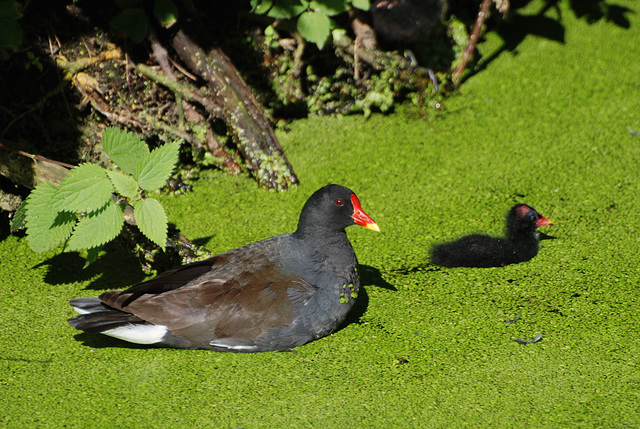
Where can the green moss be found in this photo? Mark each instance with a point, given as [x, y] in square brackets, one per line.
[548, 125]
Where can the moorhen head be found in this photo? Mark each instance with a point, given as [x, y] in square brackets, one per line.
[477, 250]
[274, 294]
[404, 21]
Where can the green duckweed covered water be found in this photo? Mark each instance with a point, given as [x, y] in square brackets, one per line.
[549, 125]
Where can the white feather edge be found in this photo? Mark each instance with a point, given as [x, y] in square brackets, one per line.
[81, 311]
[237, 347]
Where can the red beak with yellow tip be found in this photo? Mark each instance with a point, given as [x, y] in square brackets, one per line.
[360, 217]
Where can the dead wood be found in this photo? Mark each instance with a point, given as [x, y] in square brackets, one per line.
[242, 113]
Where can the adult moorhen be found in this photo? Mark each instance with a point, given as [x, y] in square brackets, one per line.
[477, 250]
[405, 21]
[274, 294]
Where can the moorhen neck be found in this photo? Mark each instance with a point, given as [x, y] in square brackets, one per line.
[274, 294]
[477, 250]
[405, 21]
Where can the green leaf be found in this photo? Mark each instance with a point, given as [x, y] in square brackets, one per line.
[260, 7]
[329, 7]
[97, 227]
[46, 228]
[287, 8]
[124, 184]
[10, 30]
[166, 11]
[86, 188]
[153, 171]
[9, 10]
[132, 23]
[19, 218]
[151, 220]
[125, 149]
[314, 27]
[361, 4]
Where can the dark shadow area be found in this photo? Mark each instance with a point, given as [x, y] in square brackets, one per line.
[99, 341]
[426, 267]
[544, 236]
[369, 276]
[12, 359]
[5, 225]
[118, 268]
[202, 241]
[516, 27]
[595, 10]
[9, 201]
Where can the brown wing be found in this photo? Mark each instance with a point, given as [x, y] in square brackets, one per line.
[243, 294]
[169, 280]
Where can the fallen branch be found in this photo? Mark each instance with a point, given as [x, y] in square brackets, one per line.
[28, 170]
[242, 113]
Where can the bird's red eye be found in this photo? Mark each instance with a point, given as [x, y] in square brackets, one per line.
[339, 202]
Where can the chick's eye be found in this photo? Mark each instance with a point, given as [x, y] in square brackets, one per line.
[339, 202]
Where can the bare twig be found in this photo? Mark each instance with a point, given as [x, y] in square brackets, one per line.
[483, 14]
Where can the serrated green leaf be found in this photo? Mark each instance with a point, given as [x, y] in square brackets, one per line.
[85, 188]
[46, 228]
[329, 7]
[314, 27]
[287, 8]
[125, 149]
[361, 4]
[19, 218]
[124, 184]
[97, 227]
[166, 11]
[153, 171]
[151, 220]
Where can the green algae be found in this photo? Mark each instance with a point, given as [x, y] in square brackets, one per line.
[548, 126]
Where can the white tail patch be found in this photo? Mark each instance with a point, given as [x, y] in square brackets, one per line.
[139, 334]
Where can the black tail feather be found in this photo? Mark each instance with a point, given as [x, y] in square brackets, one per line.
[95, 323]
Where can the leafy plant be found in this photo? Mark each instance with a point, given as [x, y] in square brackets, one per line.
[132, 20]
[10, 30]
[84, 213]
[312, 17]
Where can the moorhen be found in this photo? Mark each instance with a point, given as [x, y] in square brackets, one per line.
[274, 294]
[405, 21]
[477, 250]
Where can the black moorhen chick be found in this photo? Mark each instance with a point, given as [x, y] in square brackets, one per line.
[274, 294]
[477, 250]
[405, 21]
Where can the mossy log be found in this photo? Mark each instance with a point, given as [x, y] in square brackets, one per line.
[242, 113]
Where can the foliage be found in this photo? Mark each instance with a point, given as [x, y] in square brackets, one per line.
[132, 21]
[10, 30]
[312, 17]
[83, 212]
